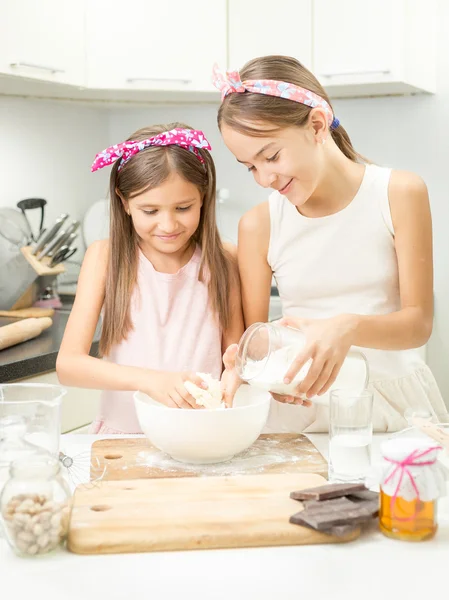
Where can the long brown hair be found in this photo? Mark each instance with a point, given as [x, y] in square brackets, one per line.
[244, 112]
[146, 170]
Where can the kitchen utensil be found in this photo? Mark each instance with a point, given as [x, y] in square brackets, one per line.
[66, 240]
[16, 276]
[40, 405]
[25, 313]
[44, 240]
[266, 351]
[63, 254]
[12, 218]
[136, 458]
[77, 468]
[204, 436]
[11, 232]
[150, 515]
[31, 204]
[15, 333]
[59, 240]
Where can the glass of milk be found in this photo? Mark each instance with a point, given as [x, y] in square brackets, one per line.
[350, 435]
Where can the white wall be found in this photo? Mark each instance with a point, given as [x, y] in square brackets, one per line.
[46, 152]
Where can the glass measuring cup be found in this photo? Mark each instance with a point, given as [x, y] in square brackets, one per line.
[40, 405]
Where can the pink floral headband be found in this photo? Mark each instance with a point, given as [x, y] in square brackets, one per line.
[191, 139]
[230, 83]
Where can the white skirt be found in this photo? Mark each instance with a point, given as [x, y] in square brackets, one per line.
[417, 391]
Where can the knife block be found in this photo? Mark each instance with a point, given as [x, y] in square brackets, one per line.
[43, 270]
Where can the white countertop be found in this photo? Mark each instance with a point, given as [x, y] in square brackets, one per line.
[370, 567]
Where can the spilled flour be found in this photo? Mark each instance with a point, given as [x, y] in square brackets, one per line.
[264, 455]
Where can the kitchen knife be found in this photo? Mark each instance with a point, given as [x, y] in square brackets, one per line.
[62, 255]
[52, 244]
[43, 241]
[65, 240]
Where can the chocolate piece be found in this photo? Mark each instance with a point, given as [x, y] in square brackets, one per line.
[363, 495]
[337, 530]
[328, 518]
[313, 506]
[342, 530]
[326, 492]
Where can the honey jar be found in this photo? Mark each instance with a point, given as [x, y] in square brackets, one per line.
[412, 481]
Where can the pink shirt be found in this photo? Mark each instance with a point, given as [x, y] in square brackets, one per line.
[174, 330]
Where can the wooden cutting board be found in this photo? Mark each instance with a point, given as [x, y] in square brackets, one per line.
[136, 458]
[148, 515]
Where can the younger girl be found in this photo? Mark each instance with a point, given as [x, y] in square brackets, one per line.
[348, 242]
[164, 283]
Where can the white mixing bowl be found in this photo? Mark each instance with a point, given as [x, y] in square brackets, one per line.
[203, 436]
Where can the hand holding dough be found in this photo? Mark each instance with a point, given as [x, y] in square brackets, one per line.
[211, 398]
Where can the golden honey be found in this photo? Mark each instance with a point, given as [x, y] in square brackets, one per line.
[412, 521]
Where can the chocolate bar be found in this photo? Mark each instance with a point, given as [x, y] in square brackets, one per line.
[326, 492]
[337, 509]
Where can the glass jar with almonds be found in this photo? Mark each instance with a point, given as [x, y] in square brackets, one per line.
[35, 506]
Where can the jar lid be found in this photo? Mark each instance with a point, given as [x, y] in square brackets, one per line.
[399, 449]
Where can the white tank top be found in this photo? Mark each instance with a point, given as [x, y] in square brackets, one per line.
[342, 263]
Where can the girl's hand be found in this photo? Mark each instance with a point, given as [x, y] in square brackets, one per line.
[230, 381]
[327, 343]
[168, 388]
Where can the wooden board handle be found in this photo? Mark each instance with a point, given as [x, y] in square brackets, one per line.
[13, 334]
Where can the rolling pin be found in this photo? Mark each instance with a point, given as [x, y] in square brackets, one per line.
[22, 331]
[25, 313]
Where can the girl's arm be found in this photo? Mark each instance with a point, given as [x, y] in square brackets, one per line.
[409, 327]
[255, 272]
[75, 367]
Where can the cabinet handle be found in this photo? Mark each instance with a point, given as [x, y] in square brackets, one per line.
[162, 79]
[17, 65]
[387, 72]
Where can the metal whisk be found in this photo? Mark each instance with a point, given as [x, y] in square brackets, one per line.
[79, 467]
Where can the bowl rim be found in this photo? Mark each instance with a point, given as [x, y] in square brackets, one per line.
[160, 406]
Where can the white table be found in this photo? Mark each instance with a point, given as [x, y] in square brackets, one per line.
[370, 567]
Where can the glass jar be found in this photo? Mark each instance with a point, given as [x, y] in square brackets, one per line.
[40, 405]
[412, 481]
[35, 506]
[266, 351]
[13, 445]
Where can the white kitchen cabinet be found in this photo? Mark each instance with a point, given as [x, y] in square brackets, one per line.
[374, 46]
[261, 27]
[43, 39]
[149, 44]
[79, 405]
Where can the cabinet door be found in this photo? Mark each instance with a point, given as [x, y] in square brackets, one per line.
[151, 44]
[43, 39]
[262, 27]
[354, 38]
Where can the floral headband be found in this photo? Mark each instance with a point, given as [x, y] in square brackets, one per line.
[191, 139]
[230, 82]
